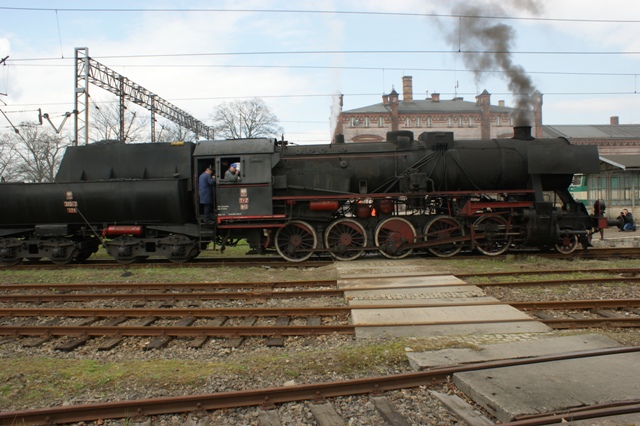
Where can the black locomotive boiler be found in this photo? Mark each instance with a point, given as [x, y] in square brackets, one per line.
[432, 194]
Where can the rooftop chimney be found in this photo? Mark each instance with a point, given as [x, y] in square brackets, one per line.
[614, 121]
[501, 103]
[435, 97]
[407, 88]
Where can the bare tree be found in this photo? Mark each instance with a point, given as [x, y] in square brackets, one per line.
[38, 152]
[250, 118]
[105, 123]
[174, 132]
[9, 160]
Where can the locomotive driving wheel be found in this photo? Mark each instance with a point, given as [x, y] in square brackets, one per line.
[493, 235]
[444, 228]
[345, 239]
[567, 244]
[391, 234]
[296, 241]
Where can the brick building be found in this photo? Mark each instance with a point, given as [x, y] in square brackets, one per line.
[467, 120]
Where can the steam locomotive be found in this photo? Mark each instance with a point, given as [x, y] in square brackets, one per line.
[432, 194]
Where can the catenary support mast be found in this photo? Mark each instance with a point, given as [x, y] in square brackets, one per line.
[89, 71]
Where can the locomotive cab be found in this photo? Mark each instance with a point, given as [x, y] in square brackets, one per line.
[249, 196]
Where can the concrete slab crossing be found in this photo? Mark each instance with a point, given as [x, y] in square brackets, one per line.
[552, 386]
[404, 284]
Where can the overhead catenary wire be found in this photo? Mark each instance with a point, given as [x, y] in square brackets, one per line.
[354, 52]
[343, 67]
[412, 14]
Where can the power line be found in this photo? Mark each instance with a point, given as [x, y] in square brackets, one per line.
[322, 12]
[352, 52]
[354, 68]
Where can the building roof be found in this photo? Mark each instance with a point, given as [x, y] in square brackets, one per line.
[601, 131]
[456, 105]
[625, 162]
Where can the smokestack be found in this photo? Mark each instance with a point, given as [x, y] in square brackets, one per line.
[614, 120]
[407, 88]
[523, 133]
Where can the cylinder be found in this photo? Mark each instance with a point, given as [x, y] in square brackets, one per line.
[385, 206]
[114, 230]
[324, 206]
[363, 211]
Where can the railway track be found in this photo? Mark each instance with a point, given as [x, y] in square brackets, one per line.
[272, 261]
[318, 396]
[76, 326]
[278, 262]
[179, 312]
[55, 315]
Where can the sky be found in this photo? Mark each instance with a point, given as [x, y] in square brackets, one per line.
[582, 55]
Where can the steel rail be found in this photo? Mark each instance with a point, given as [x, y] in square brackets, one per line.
[169, 285]
[572, 323]
[257, 397]
[322, 283]
[605, 253]
[561, 282]
[549, 271]
[576, 304]
[173, 312]
[585, 413]
[14, 298]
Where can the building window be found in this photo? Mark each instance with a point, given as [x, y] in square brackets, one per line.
[407, 122]
[366, 122]
[450, 121]
[354, 122]
[459, 121]
[380, 122]
[429, 121]
[418, 121]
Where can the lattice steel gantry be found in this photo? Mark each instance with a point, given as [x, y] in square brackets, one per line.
[89, 71]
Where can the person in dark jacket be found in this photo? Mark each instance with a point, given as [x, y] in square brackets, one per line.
[205, 193]
[628, 221]
[232, 175]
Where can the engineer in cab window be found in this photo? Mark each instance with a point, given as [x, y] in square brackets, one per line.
[233, 174]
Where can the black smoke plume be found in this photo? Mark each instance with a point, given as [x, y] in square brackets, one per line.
[486, 45]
